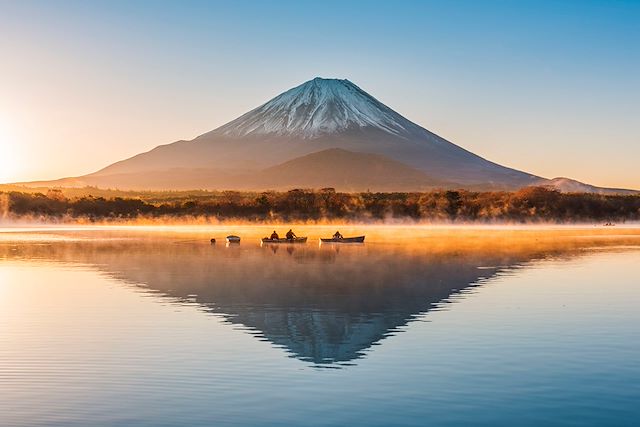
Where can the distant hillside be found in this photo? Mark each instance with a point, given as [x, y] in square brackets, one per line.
[346, 171]
[567, 185]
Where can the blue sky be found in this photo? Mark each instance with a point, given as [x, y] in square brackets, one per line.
[548, 87]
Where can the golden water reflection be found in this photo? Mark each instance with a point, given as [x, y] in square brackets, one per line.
[325, 304]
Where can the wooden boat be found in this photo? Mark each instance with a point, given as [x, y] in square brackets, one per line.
[359, 239]
[296, 240]
[233, 239]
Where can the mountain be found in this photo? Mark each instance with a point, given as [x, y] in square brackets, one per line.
[567, 185]
[315, 116]
[270, 146]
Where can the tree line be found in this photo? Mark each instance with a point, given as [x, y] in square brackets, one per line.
[532, 204]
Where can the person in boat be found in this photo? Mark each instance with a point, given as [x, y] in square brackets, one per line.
[337, 235]
[274, 235]
[291, 235]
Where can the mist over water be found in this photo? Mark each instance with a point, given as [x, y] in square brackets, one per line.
[454, 326]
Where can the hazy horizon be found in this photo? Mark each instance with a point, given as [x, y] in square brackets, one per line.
[546, 88]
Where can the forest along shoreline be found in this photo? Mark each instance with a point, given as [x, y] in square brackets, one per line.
[528, 205]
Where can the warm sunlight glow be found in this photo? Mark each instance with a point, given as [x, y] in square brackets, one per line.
[9, 159]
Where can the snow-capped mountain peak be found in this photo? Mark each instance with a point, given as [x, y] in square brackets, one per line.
[318, 107]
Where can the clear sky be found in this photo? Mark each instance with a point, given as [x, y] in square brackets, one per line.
[552, 88]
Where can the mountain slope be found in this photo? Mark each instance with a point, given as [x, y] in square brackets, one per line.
[315, 116]
[337, 168]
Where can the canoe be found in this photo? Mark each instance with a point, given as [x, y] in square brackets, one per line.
[233, 239]
[296, 240]
[359, 239]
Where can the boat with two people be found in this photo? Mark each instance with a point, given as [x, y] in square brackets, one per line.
[290, 237]
[295, 240]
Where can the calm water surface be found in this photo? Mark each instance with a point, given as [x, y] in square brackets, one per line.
[139, 327]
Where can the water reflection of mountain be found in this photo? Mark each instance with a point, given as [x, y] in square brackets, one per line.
[323, 305]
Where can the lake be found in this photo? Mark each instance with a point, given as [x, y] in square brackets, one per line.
[155, 326]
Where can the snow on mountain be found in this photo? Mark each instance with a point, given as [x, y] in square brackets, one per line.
[319, 106]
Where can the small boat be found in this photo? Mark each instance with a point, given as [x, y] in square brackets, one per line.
[359, 239]
[295, 240]
[233, 239]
